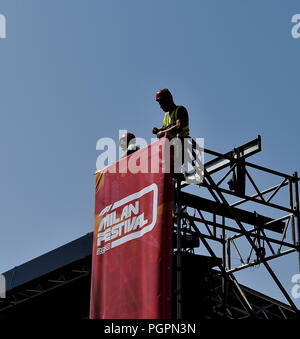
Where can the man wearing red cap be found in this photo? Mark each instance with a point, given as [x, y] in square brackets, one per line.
[127, 144]
[176, 119]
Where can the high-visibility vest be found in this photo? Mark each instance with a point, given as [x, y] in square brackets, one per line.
[170, 119]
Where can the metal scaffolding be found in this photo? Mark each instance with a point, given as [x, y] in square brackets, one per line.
[212, 216]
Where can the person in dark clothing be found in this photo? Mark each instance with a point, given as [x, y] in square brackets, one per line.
[176, 118]
[127, 144]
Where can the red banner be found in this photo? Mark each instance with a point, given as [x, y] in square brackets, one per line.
[132, 246]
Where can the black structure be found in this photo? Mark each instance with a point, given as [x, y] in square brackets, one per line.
[253, 237]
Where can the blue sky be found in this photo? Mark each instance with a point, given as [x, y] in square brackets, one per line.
[73, 71]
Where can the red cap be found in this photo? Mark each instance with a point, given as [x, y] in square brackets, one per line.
[163, 94]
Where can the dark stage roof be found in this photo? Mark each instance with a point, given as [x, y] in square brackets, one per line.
[57, 285]
[49, 262]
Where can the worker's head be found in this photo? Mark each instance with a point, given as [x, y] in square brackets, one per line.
[165, 99]
[125, 139]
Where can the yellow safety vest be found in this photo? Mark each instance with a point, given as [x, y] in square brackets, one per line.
[170, 119]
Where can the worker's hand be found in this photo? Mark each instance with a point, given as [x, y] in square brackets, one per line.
[155, 130]
[161, 134]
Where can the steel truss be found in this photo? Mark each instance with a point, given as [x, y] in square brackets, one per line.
[46, 284]
[254, 238]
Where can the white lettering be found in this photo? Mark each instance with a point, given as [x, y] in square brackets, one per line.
[2, 26]
[104, 223]
[125, 221]
[123, 329]
[172, 328]
[108, 157]
[295, 29]
[2, 286]
[296, 288]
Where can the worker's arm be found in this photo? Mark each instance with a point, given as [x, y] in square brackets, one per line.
[171, 130]
[156, 130]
